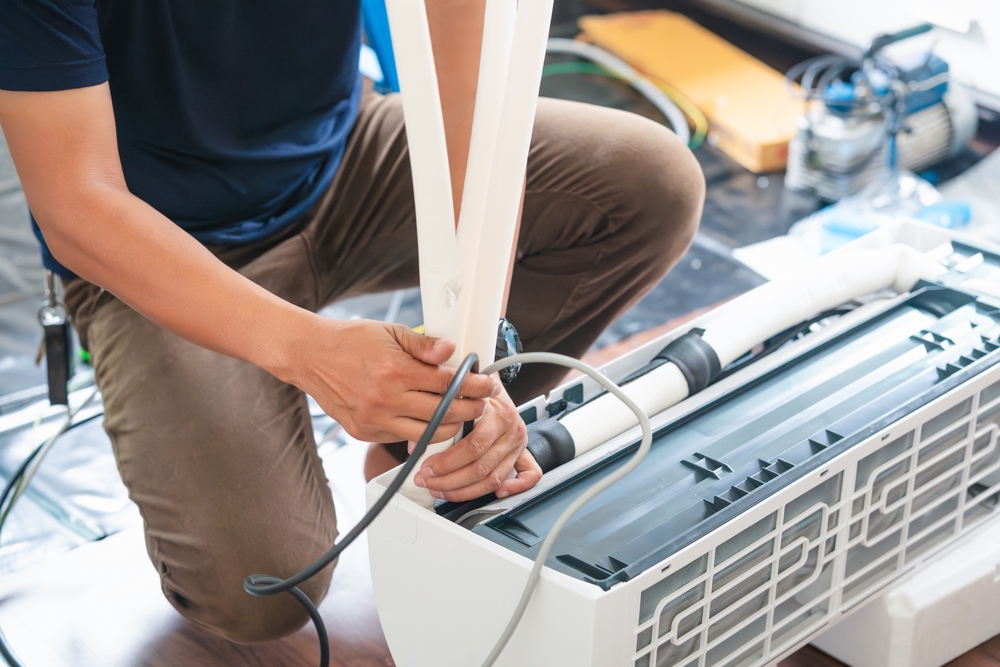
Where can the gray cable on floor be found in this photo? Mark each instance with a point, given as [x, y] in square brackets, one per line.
[583, 498]
[16, 486]
[41, 452]
[259, 584]
[617, 66]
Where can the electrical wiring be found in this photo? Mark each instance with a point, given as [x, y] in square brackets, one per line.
[583, 498]
[5, 649]
[16, 486]
[808, 70]
[695, 116]
[577, 67]
[698, 119]
[260, 585]
[619, 68]
[39, 454]
[265, 585]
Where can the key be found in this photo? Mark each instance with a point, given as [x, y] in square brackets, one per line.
[58, 356]
[57, 341]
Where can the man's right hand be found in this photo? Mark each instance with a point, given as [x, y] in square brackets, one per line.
[382, 382]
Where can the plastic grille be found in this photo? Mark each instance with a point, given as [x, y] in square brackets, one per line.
[766, 582]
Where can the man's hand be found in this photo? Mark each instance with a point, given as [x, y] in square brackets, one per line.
[383, 382]
[480, 462]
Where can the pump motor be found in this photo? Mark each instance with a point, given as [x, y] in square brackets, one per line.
[876, 113]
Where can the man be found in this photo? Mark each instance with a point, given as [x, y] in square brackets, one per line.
[206, 174]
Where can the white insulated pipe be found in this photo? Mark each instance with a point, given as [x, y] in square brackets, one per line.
[832, 281]
[498, 35]
[440, 280]
[464, 305]
[491, 257]
[747, 321]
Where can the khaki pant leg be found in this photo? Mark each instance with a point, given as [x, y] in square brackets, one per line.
[218, 455]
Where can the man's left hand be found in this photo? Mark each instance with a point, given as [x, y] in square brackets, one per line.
[480, 462]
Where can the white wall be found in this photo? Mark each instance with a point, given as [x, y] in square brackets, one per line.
[967, 32]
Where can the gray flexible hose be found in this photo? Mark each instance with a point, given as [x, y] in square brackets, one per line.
[43, 451]
[615, 65]
[586, 496]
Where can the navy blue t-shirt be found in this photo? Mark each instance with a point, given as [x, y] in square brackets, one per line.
[232, 115]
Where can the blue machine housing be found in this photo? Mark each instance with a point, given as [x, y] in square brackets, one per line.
[925, 77]
[920, 71]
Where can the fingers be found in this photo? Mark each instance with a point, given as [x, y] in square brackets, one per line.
[421, 405]
[390, 383]
[406, 416]
[436, 380]
[528, 474]
[401, 428]
[433, 351]
[405, 428]
[479, 463]
[479, 386]
[491, 482]
[492, 431]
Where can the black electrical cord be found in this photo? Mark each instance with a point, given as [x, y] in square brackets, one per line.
[5, 650]
[7, 653]
[776, 342]
[263, 584]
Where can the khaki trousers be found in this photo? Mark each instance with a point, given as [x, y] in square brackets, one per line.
[219, 455]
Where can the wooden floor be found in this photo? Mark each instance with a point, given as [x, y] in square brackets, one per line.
[100, 606]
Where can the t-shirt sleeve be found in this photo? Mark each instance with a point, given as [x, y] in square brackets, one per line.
[50, 45]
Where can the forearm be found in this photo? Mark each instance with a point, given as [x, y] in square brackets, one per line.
[456, 35]
[113, 239]
[65, 150]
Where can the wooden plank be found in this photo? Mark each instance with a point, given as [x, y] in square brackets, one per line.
[810, 656]
[986, 654]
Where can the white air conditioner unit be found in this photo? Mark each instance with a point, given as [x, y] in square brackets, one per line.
[772, 504]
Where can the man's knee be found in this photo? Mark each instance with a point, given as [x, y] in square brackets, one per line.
[658, 178]
[622, 183]
[202, 574]
[240, 617]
